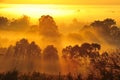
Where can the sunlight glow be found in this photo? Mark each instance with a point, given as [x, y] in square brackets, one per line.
[37, 10]
[61, 12]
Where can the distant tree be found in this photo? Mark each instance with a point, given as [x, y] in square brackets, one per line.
[10, 51]
[34, 49]
[101, 27]
[115, 33]
[47, 26]
[96, 46]
[109, 22]
[51, 60]
[27, 55]
[20, 24]
[75, 51]
[108, 30]
[34, 29]
[71, 52]
[86, 49]
[95, 49]
[3, 22]
[67, 51]
[3, 51]
[50, 53]
[114, 30]
[21, 47]
[97, 24]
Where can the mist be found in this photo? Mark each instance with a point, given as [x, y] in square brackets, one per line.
[52, 47]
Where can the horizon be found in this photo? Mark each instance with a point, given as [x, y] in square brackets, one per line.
[58, 11]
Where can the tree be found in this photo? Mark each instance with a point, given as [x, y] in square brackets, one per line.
[25, 55]
[101, 27]
[35, 76]
[51, 59]
[109, 22]
[20, 24]
[11, 75]
[34, 49]
[108, 65]
[96, 46]
[108, 30]
[50, 53]
[21, 47]
[69, 76]
[3, 22]
[115, 34]
[67, 51]
[85, 49]
[48, 27]
[10, 51]
[75, 51]
[97, 23]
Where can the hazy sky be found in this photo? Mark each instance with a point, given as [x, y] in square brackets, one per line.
[81, 2]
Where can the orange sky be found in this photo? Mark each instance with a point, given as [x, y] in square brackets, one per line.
[79, 2]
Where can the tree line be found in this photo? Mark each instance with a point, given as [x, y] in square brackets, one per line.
[87, 56]
[107, 29]
[82, 62]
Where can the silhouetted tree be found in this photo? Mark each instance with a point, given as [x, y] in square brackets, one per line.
[48, 27]
[51, 59]
[3, 50]
[1, 76]
[35, 76]
[96, 46]
[20, 24]
[3, 22]
[86, 49]
[23, 54]
[97, 24]
[109, 22]
[50, 53]
[24, 77]
[11, 75]
[108, 65]
[67, 51]
[115, 34]
[79, 77]
[34, 49]
[69, 76]
[101, 27]
[21, 47]
[75, 51]
[108, 30]
[95, 50]
[10, 51]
